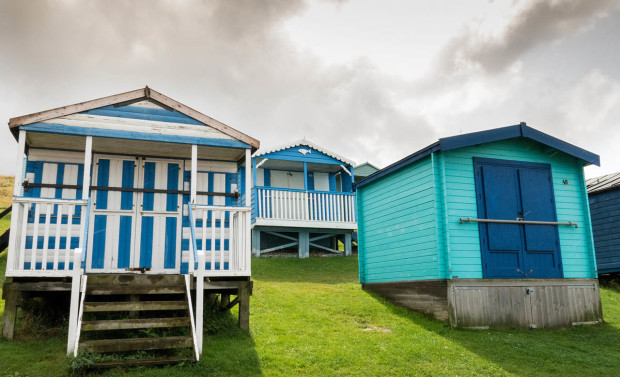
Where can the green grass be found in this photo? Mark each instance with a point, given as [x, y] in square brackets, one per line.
[310, 317]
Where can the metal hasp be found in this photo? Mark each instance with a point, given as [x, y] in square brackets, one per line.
[516, 221]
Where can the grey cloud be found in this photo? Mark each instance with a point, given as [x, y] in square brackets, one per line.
[537, 23]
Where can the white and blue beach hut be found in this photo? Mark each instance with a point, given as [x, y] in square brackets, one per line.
[302, 199]
[134, 193]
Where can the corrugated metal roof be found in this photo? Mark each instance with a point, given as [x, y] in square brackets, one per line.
[306, 143]
[603, 183]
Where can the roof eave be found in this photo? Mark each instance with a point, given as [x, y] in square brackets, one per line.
[131, 96]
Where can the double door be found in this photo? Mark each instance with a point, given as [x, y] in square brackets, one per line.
[135, 221]
[513, 190]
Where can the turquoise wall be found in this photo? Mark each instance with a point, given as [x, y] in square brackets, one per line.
[409, 226]
[571, 205]
[397, 225]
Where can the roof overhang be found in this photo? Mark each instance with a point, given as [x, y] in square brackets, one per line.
[488, 136]
[128, 98]
[307, 143]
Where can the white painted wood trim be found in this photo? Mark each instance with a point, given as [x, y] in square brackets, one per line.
[19, 169]
[195, 335]
[304, 224]
[194, 173]
[75, 295]
[88, 154]
[80, 315]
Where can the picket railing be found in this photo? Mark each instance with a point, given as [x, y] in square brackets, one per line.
[287, 204]
[45, 233]
[219, 241]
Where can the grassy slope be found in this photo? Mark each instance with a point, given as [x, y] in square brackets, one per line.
[311, 317]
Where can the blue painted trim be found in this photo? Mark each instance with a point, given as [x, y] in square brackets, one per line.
[103, 177]
[170, 244]
[305, 176]
[124, 241]
[134, 112]
[148, 198]
[172, 200]
[98, 251]
[146, 242]
[482, 137]
[129, 168]
[299, 190]
[132, 135]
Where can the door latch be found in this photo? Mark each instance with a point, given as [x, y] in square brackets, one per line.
[524, 273]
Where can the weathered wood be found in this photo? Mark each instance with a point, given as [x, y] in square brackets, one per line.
[224, 299]
[10, 313]
[229, 305]
[134, 344]
[428, 297]
[130, 363]
[134, 289]
[133, 306]
[523, 303]
[126, 324]
[244, 305]
[304, 244]
[136, 279]
[42, 286]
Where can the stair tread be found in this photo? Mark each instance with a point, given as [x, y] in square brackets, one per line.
[134, 344]
[140, 362]
[141, 323]
[107, 289]
[134, 306]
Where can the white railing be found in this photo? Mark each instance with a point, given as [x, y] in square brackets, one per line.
[220, 240]
[38, 228]
[305, 205]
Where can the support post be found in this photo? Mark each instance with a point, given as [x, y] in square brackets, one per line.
[244, 305]
[256, 242]
[88, 154]
[17, 191]
[248, 203]
[347, 244]
[19, 176]
[304, 244]
[10, 312]
[194, 174]
[224, 300]
[200, 304]
[254, 167]
[305, 176]
[75, 300]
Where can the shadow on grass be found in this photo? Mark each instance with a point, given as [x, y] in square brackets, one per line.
[578, 351]
[332, 270]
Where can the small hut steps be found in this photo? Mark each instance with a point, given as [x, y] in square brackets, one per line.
[130, 312]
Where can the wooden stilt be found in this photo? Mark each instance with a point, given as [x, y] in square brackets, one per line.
[304, 244]
[347, 244]
[10, 312]
[225, 300]
[244, 305]
[256, 242]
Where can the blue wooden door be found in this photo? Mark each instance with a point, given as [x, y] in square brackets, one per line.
[511, 190]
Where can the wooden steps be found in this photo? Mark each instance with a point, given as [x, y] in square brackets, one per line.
[129, 312]
[129, 306]
[126, 324]
[136, 344]
[129, 363]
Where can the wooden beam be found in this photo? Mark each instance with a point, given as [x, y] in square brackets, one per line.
[304, 244]
[10, 312]
[76, 108]
[281, 235]
[204, 119]
[279, 247]
[194, 174]
[127, 97]
[324, 248]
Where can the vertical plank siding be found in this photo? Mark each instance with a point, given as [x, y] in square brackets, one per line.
[605, 212]
[398, 233]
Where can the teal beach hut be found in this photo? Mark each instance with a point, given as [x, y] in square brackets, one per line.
[487, 229]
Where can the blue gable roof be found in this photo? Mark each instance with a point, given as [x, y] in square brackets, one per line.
[143, 113]
[488, 136]
[294, 154]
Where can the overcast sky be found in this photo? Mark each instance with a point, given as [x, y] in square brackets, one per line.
[372, 81]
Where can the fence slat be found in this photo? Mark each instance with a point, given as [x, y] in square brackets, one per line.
[57, 235]
[24, 230]
[35, 237]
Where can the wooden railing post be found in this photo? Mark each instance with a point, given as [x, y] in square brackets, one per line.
[75, 297]
[200, 279]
